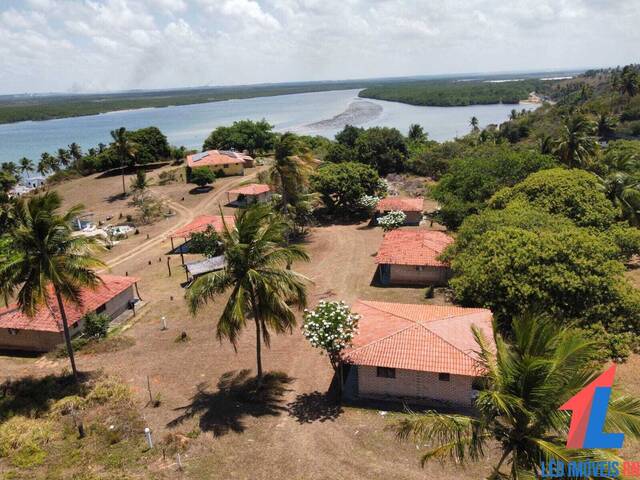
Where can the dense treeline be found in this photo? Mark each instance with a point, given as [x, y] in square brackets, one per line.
[448, 94]
[23, 108]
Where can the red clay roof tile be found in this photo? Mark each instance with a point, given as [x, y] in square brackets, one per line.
[403, 204]
[200, 224]
[49, 319]
[214, 157]
[430, 338]
[413, 247]
[253, 189]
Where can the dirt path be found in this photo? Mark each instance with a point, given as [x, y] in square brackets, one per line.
[186, 216]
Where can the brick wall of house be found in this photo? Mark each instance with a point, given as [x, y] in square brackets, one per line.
[409, 274]
[30, 340]
[415, 384]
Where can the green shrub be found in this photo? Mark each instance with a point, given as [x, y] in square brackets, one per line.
[109, 389]
[202, 176]
[96, 325]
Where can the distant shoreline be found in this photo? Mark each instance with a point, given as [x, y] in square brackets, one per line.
[22, 108]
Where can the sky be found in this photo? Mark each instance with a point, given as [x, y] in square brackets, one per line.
[108, 45]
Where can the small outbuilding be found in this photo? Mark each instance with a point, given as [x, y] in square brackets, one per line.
[222, 162]
[202, 267]
[411, 257]
[416, 353]
[43, 332]
[411, 207]
[201, 224]
[250, 194]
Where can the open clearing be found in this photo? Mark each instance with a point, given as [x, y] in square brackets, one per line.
[295, 434]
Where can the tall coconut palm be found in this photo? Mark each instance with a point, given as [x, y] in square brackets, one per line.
[577, 145]
[140, 183]
[474, 123]
[290, 170]
[75, 151]
[417, 133]
[63, 157]
[45, 164]
[26, 165]
[125, 149]
[605, 125]
[527, 380]
[629, 81]
[49, 264]
[624, 191]
[621, 186]
[261, 288]
[10, 168]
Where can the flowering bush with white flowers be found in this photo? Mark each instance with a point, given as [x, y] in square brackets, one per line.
[330, 327]
[392, 220]
[368, 202]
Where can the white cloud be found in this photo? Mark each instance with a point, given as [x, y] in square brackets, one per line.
[81, 45]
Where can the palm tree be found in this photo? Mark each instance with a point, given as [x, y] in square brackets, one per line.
[10, 169]
[605, 125]
[577, 144]
[527, 380]
[140, 183]
[513, 115]
[624, 192]
[290, 170]
[417, 133]
[26, 165]
[474, 123]
[45, 165]
[75, 151]
[261, 289]
[546, 144]
[48, 260]
[629, 81]
[125, 149]
[63, 157]
[621, 186]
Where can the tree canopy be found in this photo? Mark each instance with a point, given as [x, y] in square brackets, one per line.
[255, 137]
[475, 177]
[569, 273]
[341, 185]
[383, 148]
[575, 194]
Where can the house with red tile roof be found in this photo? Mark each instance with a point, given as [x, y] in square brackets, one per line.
[410, 257]
[250, 194]
[416, 353]
[44, 331]
[411, 207]
[222, 162]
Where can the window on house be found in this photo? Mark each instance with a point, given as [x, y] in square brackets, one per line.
[13, 331]
[384, 372]
[444, 377]
[101, 308]
[419, 269]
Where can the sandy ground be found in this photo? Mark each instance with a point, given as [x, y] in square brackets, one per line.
[298, 436]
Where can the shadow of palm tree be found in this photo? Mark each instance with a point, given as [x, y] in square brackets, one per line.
[314, 407]
[33, 396]
[238, 396]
